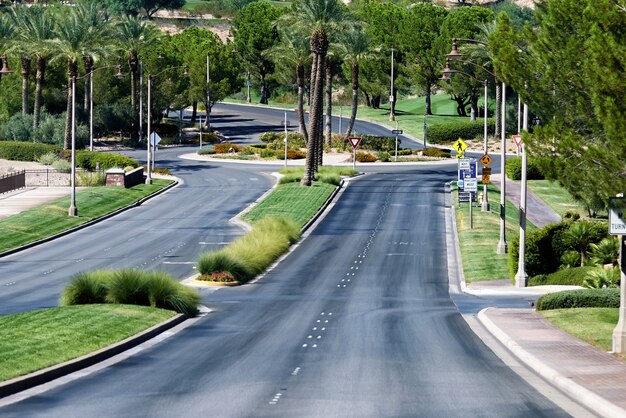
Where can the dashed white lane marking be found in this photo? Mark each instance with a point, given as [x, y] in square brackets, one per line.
[179, 262]
[213, 243]
[305, 345]
[295, 371]
[314, 345]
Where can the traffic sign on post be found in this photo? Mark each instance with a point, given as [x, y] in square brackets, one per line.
[355, 141]
[486, 175]
[396, 131]
[460, 146]
[518, 140]
[617, 216]
[154, 138]
[486, 160]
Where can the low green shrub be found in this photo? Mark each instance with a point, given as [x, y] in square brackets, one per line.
[600, 277]
[330, 178]
[207, 150]
[464, 129]
[574, 276]
[91, 160]
[584, 298]
[383, 156]
[86, 288]
[91, 178]
[365, 157]
[162, 170]
[378, 143]
[257, 146]
[514, 169]
[247, 151]
[252, 253]
[131, 286]
[292, 154]
[290, 178]
[226, 147]
[436, 152]
[405, 151]
[544, 249]
[62, 166]
[25, 151]
[220, 261]
[48, 158]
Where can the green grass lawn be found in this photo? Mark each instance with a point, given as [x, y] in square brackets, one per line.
[556, 196]
[592, 325]
[293, 201]
[52, 218]
[478, 245]
[35, 340]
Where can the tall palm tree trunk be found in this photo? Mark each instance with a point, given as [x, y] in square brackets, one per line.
[314, 118]
[72, 71]
[25, 83]
[329, 99]
[88, 61]
[39, 80]
[355, 98]
[300, 83]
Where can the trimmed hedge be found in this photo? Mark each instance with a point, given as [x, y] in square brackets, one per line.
[544, 249]
[365, 157]
[25, 151]
[226, 147]
[464, 129]
[436, 152]
[378, 143]
[514, 169]
[89, 159]
[574, 276]
[292, 154]
[583, 298]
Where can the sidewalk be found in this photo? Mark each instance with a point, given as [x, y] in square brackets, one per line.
[537, 211]
[19, 200]
[590, 376]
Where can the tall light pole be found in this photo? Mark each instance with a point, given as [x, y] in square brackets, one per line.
[73, 210]
[502, 245]
[248, 84]
[521, 278]
[485, 205]
[141, 99]
[392, 116]
[208, 93]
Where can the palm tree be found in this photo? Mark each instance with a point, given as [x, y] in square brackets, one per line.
[355, 47]
[35, 30]
[320, 17]
[579, 236]
[294, 50]
[134, 34]
[75, 39]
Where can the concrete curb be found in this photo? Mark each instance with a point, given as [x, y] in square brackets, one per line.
[586, 397]
[92, 222]
[21, 383]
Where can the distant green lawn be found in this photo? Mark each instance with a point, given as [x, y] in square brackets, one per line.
[592, 325]
[479, 244]
[52, 218]
[293, 201]
[556, 196]
[32, 341]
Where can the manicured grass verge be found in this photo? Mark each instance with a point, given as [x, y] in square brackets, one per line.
[555, 196]
[52, 218]
[478, 245]
[292, 201]
[592, 325]
[35, 340]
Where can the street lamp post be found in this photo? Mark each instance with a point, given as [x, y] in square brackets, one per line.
[521, 278]
[485, 205]
[73, 210]
[502, 245]
[141, 99]
[392, 99]
[208, 94]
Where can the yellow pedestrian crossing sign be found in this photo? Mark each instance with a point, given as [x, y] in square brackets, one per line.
[460, 146]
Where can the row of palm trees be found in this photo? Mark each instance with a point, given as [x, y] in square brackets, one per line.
[86, 33]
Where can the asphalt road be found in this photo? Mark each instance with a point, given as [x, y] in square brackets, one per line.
[356, 322]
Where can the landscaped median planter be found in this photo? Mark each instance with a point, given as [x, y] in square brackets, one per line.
[216, 279]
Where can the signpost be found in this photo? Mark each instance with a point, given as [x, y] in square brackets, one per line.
[467, 181]
[355, 141]
[154, 141]
[617, 226]
[396, 132]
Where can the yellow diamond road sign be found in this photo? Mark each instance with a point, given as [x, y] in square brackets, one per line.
[486, 160]
[460, 146]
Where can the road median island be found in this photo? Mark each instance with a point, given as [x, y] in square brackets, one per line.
[38, 346]
[277, 222]
[49, 221]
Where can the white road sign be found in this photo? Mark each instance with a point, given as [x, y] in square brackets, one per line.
[617, 216]
[470, 184]
[155, 138]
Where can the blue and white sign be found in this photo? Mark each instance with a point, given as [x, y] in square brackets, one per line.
[468, 170]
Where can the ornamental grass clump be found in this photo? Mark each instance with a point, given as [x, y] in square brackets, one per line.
[133, 287]
[251, 254]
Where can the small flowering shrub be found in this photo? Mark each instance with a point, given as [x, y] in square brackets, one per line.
[222, 276]
[226, 147]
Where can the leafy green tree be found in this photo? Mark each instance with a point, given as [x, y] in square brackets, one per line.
[134, 35]
[570, 70]
[254, 32]
[147, 7]
[35, 31]
[75, 39]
